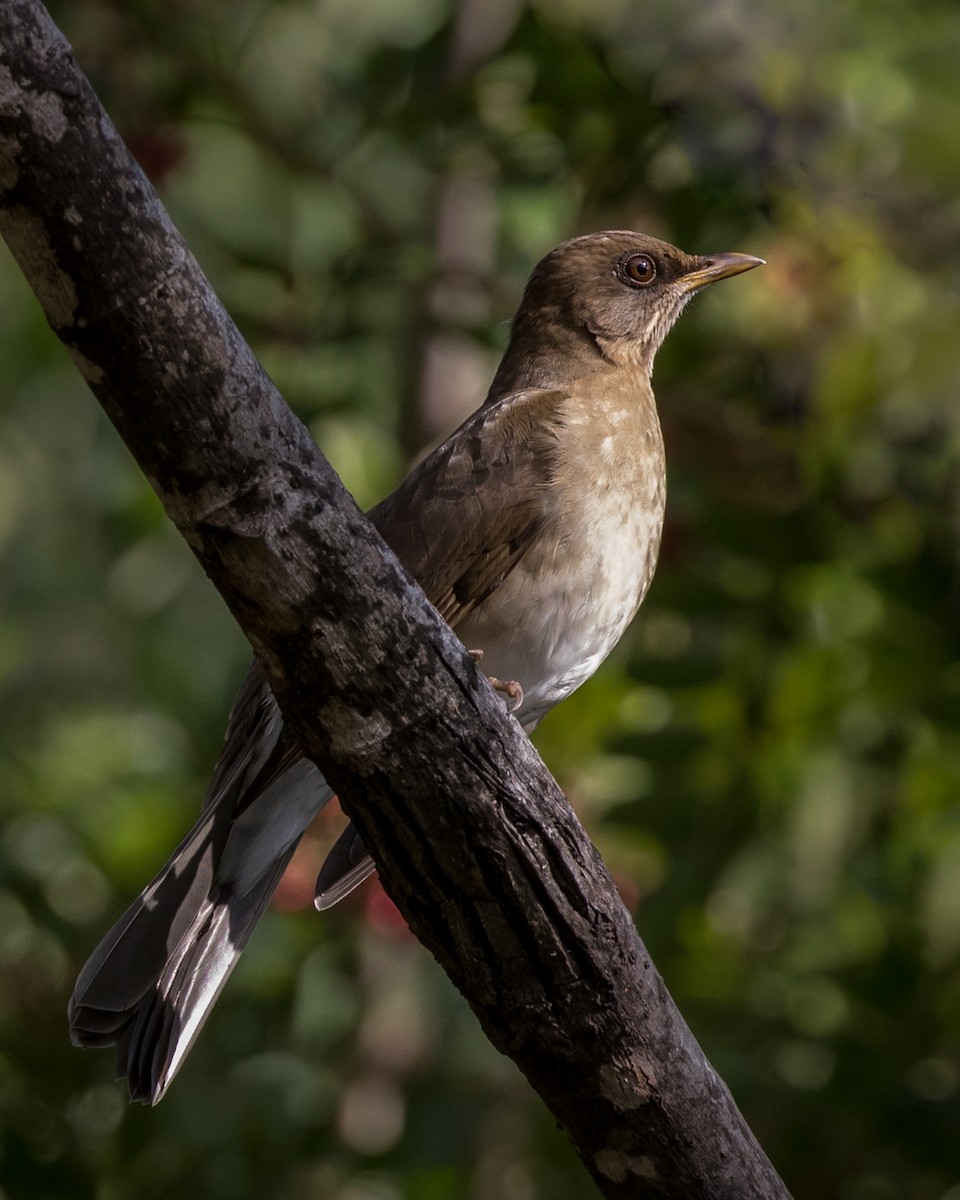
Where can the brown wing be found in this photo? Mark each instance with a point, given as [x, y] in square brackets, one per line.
[464, 518]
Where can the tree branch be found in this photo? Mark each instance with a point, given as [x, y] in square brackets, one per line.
[474, 840]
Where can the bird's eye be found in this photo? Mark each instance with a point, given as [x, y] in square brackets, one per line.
[640, 269]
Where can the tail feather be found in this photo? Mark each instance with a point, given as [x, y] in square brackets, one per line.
[150, 984]
[125, 965]
[346, 866]
[154, 1026]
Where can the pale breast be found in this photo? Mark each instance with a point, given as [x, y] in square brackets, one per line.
[567, 604]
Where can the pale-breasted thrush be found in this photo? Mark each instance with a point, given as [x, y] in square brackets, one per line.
[534, 530]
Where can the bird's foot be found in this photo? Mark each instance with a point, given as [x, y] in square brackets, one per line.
[506, 687]
[509, 688]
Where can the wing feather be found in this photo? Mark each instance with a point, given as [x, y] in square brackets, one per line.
[463, 519]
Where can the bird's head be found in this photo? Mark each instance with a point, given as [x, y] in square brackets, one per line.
[621, 291]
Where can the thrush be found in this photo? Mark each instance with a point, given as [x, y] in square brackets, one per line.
[534, 530]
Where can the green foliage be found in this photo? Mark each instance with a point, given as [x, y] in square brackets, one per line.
[770, 764]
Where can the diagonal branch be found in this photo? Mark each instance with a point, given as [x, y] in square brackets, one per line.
[474, 840]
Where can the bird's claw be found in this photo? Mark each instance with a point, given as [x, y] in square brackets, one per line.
[507, 687]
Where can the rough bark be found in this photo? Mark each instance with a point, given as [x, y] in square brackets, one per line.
[474, 840]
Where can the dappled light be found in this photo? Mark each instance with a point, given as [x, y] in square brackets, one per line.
[770, 763]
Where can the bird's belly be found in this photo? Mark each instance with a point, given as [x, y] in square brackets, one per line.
[560, 612]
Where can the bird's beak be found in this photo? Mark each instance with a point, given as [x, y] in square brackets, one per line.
[712, 267]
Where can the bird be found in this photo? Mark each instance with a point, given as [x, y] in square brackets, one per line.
[534, 530]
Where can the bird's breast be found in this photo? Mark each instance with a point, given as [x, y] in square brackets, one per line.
[567, 604]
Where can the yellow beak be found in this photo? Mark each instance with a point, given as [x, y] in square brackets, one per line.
[711, 267]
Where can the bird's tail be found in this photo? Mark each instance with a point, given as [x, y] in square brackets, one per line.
[150, 984]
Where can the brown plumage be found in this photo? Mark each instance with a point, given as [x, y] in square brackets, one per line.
[533, 529]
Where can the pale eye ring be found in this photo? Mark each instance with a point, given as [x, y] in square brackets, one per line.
[639, 269]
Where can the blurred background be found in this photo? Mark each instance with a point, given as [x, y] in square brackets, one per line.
[771, 762]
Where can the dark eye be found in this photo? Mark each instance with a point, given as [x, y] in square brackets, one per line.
[640, 269]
